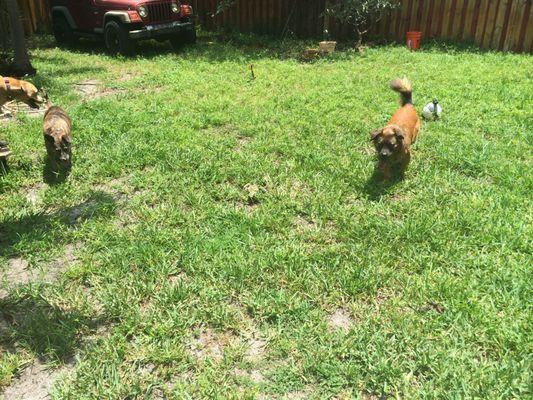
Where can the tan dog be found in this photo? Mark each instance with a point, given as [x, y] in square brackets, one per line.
[15, 89]
[57, 130]
[393, 142]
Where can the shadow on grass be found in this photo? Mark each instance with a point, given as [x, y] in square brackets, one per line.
[44, 226]
[54, 174]
[51, 331]
[375, 187]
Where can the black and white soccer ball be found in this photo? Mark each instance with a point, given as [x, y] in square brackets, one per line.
[432, 111]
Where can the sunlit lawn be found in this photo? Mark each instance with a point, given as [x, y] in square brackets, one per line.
[222, 238]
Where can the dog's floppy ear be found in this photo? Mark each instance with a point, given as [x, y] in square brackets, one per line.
[398, 132]
[375, 134]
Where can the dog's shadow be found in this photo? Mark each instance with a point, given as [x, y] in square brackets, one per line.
[376, 187]
[54, 174]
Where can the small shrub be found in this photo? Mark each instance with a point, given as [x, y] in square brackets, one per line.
[361, 14]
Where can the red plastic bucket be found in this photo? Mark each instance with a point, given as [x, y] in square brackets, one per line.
[413, 39]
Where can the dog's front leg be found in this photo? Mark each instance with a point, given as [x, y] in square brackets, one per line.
[384, 170]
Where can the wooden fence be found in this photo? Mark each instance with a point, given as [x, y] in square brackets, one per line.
[496, 24]
[36, 16]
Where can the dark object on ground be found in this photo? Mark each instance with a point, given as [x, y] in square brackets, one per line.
[122, 24]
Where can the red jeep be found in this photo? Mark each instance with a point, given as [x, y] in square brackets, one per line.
[122, 22]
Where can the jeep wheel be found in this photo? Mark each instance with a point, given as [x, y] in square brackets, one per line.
[117, 39]
[188, 37]
[62, 31]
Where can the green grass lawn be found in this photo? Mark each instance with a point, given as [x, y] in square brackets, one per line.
[223, 238]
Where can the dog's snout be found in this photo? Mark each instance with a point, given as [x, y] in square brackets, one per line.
[33, 104]
[64, 157]
[384, 153]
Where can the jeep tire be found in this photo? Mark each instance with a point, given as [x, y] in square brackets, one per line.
[117, 39]
[63, 31]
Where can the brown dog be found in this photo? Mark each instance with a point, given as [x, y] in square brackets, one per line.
[15, 89]
[393, 142]
[57, 130]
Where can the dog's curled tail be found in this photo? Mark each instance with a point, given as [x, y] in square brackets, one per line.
[405, 88]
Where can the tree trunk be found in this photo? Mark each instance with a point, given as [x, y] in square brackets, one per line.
[22, 65]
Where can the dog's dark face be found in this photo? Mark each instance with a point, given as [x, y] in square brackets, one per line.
[59, 149]
[32, 96]
[388, 142]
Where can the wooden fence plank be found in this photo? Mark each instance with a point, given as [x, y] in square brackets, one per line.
[520, 46]
[490, 22]
[476, 11]
[507, 14]
[457, 19]
[429, 24]
[441, 16]
[513, 26]
[498, 26]
[466, 32]
[423, 17]
[528, 37]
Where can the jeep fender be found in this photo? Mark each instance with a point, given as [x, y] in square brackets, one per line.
[121, 16]
[64, 12]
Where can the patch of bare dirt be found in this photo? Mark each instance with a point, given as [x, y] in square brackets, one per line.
[35, 382]
[117, 187]
[242, 141]
[340, 320]
[256, 348]
[92, 89]
[127, 76]
[18, 271]
[249, 200]
[255, 375]
[303, 224]
[208, 344]
[346, 394]
[11, 109]
[32, 193]
[107, 92]
[432, 306]
[298, 394]
[248, 208]
[299, 189]
[68, 258]
[88, 88]
[178, 278]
